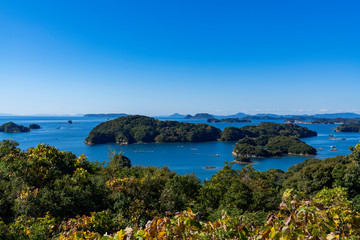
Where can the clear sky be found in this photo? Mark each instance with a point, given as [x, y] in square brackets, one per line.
[160, 57]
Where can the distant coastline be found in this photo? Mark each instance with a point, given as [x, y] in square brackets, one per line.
[259, 116]
[105, 115]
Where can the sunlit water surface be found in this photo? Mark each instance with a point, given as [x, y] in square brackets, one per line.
[180, 157]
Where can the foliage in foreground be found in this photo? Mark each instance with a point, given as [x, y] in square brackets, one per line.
[50, 194]
[327, 216]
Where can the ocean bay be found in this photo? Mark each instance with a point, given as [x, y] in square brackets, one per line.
[180, 157]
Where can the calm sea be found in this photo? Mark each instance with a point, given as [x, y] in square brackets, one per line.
[180, 157]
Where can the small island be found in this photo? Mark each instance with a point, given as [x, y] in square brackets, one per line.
[264, 130]
[11, 127]
[34, 126]
[132, 129]
[228, 120]
[349, 127]
[275, 146]
[268, 140]
[242, 160]
[200, 116]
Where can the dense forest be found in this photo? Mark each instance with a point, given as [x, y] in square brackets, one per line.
[271, 146]
[268, 140]
[50, 194]
[11, 127]
[349, 127]
[266, 130]
[130, 129]
[263, 140]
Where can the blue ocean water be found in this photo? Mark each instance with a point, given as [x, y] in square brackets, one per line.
[180, 157]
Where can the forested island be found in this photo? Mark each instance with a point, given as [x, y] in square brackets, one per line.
[11, 127]
[263, 140]
[349, 127]
[269, 139]
[228, 120]
[131, 129]
[273, 146]
[50, 194]
[200, 116]
[265, 130]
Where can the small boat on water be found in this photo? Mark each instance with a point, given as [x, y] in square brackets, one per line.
[332, 146]
[209, 167]
[331, 135]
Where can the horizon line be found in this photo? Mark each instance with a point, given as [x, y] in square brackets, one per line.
[167, 115]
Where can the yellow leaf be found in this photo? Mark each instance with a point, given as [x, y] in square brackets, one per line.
[161, 235]
[272, 233]
[189, 210]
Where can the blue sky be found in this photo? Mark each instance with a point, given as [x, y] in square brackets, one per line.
[161, 57]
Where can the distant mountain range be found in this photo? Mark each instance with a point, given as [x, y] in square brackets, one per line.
[237, 115]
[176, 115]
[259, 116]
[337, 115]
[107, 115]
[265, 116]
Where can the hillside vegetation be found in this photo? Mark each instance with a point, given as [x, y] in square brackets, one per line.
[263, 140]
[349, 127]
[11, 127]
[269, 139]
[50, 194]
[130, 129]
